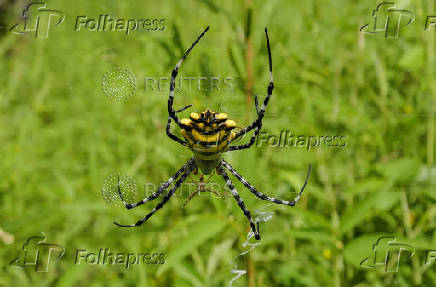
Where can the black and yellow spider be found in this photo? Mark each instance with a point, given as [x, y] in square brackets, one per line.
[209, 134]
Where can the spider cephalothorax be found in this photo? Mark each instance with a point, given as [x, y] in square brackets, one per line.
[209, 134]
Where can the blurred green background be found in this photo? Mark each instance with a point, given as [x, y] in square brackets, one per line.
[60, 137]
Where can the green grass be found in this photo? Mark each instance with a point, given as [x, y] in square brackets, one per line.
[61, 137]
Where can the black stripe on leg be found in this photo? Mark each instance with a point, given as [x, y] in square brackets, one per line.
[168, 127]
[260, 194]
[167, 196]
[240, 202]
[164, 200]
[260, 114]
[174, 73]
[162, 187]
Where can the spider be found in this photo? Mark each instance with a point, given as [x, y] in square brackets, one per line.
[208, 135]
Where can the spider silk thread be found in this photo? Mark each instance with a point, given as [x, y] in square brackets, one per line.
[262, 216]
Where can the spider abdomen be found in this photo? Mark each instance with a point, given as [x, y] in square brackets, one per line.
[208, 134]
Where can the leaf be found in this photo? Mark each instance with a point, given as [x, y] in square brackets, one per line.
[376, 201]
[187, 274]
[312, 219]
[368, 184]
[401, 170]
[412, 59]
[289, 272]
[386, 200]
[218, 252]
[315, 235]
[205, 228]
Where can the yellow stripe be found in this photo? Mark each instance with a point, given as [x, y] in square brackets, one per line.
[221, 116]
[230, 124]
[186, 122]
[185, 134]
[195, 116]
[198, 136]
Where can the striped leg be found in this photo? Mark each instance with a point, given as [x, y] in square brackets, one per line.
[164, 200]
[162, 187]
[256, 104]
[260, 114]
[170, 134]
[240, 202]
[171, 111]
[260, 194]
[250, 143]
